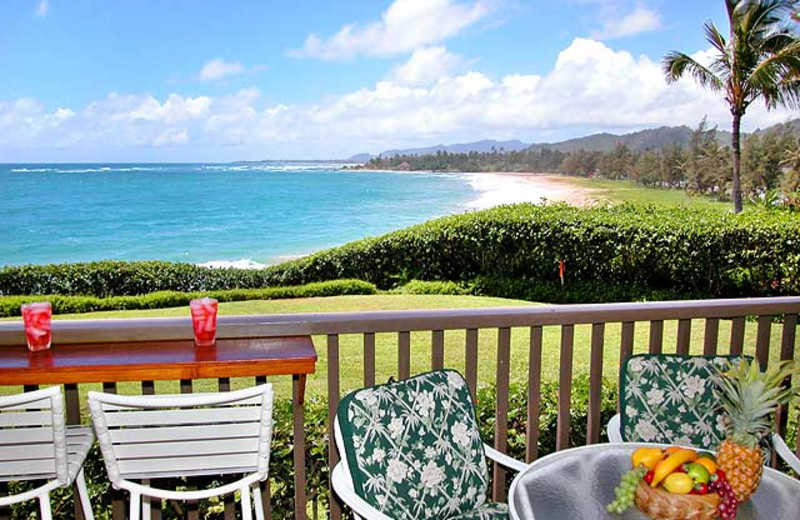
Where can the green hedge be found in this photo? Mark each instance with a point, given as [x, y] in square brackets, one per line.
[117, 278]
[610, 252]
[10, 305]
[423, 287]
[645, 249]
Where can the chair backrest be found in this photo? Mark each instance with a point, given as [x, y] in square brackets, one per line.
[33, 443]
[183, 435]
[671, 399]
[413, 447]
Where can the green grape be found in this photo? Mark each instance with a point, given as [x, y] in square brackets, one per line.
[626, 490]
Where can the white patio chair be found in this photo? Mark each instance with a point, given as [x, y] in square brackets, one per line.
[435, 447]
[160, 436]
[652, 411]
[36, 445]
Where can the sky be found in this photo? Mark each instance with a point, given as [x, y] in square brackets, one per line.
[213, 80]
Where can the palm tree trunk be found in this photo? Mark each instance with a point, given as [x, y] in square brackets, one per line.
[737, 163]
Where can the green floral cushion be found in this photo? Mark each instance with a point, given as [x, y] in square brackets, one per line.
[485, 512]
[671, 399]
[413, 448]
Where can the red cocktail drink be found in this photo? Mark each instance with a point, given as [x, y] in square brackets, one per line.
[37, 317]
[204, 321]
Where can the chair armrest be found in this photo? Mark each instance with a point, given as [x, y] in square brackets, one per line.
[785, 453]
[344, 489]
[615, 430]
[503, 459]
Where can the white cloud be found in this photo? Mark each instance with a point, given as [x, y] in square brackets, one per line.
[591, 87]
[641, 20]
[425, 66]
[218, 68]
[405, 26]
[42, 8]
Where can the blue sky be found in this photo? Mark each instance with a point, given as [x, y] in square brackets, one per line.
[211, 80]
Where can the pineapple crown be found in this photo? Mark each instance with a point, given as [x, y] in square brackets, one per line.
[749, 397]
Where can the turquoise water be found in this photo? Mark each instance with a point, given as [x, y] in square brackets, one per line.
[249, 214]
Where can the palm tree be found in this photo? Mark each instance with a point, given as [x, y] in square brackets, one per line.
[760, 59]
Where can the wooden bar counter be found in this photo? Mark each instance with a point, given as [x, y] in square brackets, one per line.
[158, 360]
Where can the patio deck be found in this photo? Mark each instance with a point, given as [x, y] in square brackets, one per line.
[530, 321]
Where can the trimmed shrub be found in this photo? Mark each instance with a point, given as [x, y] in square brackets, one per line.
[647, 249]
[423, 287]
[10, 305]
[116, 278]
[616, 252]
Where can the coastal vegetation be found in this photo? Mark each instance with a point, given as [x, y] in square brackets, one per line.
[67, 304]
[610, 253]
[700, 166]
[759, 60]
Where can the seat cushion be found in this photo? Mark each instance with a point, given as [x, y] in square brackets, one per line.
[671, 399]
[413, 447]
[485, 512]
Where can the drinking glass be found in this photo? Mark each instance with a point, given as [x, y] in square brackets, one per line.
[37, 317]
[204, 321]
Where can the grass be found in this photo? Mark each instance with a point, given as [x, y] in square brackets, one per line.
[351, 360]
[629, 191]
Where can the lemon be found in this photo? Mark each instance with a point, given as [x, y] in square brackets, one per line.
[678, 483]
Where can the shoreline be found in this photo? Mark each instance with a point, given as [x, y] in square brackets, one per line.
[498, 188]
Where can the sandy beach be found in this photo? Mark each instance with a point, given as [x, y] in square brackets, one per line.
[511, 187]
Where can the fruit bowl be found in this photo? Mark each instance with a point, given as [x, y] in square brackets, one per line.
[663, 505]
[675, 483]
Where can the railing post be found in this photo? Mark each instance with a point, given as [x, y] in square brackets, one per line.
[564, 387]
[711, 336]
[595, 383]
[684, 337]
[471, 361]
[299, 436]
[437, 349]
[534, 394]
[403, 354]
[501, 412]
[762, 340]
[333, 404]
[369, 359]
[73, 405]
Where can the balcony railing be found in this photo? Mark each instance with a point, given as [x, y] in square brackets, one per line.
[431, 339]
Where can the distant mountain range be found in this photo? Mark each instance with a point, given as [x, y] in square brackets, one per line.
[650, 139]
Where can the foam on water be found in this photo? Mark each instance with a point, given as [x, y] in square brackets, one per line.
[237, 215]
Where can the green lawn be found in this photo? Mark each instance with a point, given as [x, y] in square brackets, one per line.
[629, 191]
[386, 351]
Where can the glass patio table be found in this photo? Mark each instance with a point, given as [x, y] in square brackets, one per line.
[578, 483]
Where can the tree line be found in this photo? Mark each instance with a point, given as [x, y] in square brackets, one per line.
[770, 161]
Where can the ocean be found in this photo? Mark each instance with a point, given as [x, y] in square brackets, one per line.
[245, 215]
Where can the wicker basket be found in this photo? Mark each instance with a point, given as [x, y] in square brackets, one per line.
[661, 505]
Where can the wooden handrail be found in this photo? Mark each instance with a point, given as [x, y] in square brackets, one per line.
[146, 329]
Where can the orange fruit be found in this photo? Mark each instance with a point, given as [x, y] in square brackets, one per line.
[709, 464]
[672, 449]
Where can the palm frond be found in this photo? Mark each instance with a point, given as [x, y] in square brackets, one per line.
[676, 64]
[714, 37]
[776, 76]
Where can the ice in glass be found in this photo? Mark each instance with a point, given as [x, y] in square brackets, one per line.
[37, 318]
[204, 321]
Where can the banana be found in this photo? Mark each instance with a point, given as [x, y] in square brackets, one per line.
[671, 463]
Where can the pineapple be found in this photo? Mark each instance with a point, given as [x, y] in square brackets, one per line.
[749, 398]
